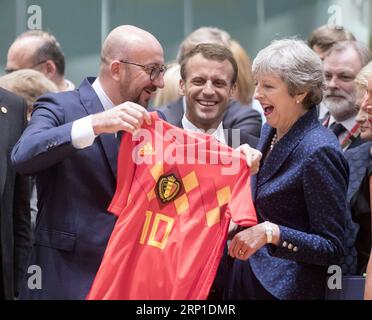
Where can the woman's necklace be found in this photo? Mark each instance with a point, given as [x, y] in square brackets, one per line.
[273, 141]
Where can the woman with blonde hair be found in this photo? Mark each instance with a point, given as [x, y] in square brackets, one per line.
[361, 201]
[170, 92]
[29, 84]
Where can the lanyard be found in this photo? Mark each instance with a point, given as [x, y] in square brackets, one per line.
[352, 135]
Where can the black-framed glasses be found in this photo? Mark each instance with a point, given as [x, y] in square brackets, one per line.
[32, 67]
[153, 70]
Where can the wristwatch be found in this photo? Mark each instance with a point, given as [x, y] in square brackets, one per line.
[269, 232]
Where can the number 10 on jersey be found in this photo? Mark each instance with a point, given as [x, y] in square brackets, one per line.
[154, 229]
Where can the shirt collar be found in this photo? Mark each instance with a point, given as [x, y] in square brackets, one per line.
[105, 100]
[348, 124]
[184, 104]
[217, 134]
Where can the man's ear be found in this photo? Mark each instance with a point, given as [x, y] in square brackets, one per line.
[181, 89]
[115, 70]
[50, 68]
[233, 89]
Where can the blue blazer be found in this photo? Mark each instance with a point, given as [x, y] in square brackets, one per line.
[302, 187]
[75, 188]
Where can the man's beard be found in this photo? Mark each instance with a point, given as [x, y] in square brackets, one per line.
[341, 108]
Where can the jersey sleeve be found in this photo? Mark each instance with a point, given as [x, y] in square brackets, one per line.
[240, 207]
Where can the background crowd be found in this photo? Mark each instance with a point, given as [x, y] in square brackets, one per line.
[305, 105]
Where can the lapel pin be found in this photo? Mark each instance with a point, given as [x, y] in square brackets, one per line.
[4, 110]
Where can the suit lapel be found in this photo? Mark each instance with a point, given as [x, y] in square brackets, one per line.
[175, 112]
[284, 147]
[4, 138]
[93, 105]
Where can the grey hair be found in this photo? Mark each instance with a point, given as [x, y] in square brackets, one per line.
[296, 64]
[360, 48]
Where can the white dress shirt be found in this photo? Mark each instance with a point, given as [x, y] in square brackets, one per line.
[218, 133]
[189, 126]
[82, 134]
[348, 124]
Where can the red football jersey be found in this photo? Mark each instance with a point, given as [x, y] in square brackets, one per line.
[174, 201]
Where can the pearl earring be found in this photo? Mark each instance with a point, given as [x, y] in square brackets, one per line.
[298, 101]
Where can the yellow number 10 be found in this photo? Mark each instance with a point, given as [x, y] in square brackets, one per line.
[151, 241]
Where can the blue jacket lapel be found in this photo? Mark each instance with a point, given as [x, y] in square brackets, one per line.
[93, 105]
[283, 148]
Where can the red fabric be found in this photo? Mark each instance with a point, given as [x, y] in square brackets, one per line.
[135, 265]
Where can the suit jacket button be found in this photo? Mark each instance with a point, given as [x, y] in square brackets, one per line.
[290, 246]
[4, 110]
[285, 244]
[295, 249]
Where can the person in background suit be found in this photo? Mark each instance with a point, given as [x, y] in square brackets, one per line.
[362, 200]
[39, 50]
[15, 229]
[72, 147]
[341, 65]
[325, 37]
[321, 40]
[245, 83]
[359, 159]
[28, 84]
[301, 226]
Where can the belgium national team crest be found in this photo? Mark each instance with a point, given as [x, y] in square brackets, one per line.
[168, 188]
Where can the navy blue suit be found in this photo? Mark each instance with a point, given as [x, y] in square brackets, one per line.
[75, 188]
[302, 187]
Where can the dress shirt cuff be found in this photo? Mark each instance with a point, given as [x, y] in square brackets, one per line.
[82, 134]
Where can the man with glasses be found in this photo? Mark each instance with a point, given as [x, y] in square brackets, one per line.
[39, 50]
[72, 147]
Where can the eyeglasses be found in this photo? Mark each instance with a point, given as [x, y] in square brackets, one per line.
[152, 70]
[32, 67]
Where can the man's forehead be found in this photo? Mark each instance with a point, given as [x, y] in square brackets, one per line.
[201, 62]
[340, 60]
[148, 55]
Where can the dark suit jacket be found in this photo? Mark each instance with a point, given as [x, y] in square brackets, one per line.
[15, 227]
[301, 186]
[244, 118]
[74, 188]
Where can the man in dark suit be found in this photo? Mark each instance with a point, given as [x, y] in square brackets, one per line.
[341, 65]
[15, 229]
[72, 147]
[208, 81]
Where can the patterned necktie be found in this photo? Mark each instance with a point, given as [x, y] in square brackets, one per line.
[337, 128]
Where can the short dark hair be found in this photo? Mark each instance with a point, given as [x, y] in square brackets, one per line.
[326, 36]
[211, 51]
[50, 49]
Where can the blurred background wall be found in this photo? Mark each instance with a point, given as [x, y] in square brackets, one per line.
[80, 25]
